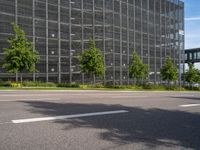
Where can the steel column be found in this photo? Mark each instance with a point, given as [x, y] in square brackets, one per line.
[128, 41]
[59, 44]
[113, 42]
[33, 18]
[104, 41]
[16, 21]
[70, 42]
[82, 36]
[148, 37]
[121, 64]
[155, 69]
[47, 44]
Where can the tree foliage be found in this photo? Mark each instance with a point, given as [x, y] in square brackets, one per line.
[169, 71]
[192, 75]
[92, 61]
[19, 56]
[137, 69]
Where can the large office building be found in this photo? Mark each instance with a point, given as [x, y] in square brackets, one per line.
[60, 31]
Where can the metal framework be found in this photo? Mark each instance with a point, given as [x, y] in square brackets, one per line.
[192, 55]
[60, 29]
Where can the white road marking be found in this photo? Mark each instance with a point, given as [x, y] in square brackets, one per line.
[37, 94]
[2, 123]
[130, 96]
[189, 105]
[68, 116]
[32, 99]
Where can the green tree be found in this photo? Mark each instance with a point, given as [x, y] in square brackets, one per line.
[137, 69]
[19, 56]
[169, 71]
[192, 75]
[92, 61]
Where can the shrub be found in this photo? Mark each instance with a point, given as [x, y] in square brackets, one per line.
[172, 88]
[192, 88]
[38, 84]
[28, 83]
[99, 86]
[5, 83]
[153, 87]
[114, 86]
[49, 84]
[124, 87]
[14, 84]
[84, 86]
[68, 85]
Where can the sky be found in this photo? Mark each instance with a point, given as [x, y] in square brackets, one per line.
[192, 23]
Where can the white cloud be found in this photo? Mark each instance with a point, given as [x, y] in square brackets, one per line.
[192, 19]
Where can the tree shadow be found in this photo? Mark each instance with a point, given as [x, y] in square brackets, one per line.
[187, 97]
[152, 127]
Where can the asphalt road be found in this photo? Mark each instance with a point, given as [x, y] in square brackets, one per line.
[99, 120]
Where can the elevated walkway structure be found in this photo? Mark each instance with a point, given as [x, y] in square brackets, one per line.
[192, 55]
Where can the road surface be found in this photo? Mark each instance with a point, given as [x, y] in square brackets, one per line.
[99, 120]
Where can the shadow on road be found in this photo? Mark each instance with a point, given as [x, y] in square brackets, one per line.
[152, 127]
[189, 98]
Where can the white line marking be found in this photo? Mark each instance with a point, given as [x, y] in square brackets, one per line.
[128, 96]
[2, 123]
[68, 116]
[35, 99]
[189, 105]
[38, 94]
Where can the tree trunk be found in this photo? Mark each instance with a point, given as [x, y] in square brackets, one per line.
[134, 81]
[21, 78]
[191, 87]
[138, 81]
[142, 81]
[94, 80]
[168, 85]
[16, 79]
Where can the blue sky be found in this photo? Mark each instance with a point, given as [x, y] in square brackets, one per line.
[192, 23]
